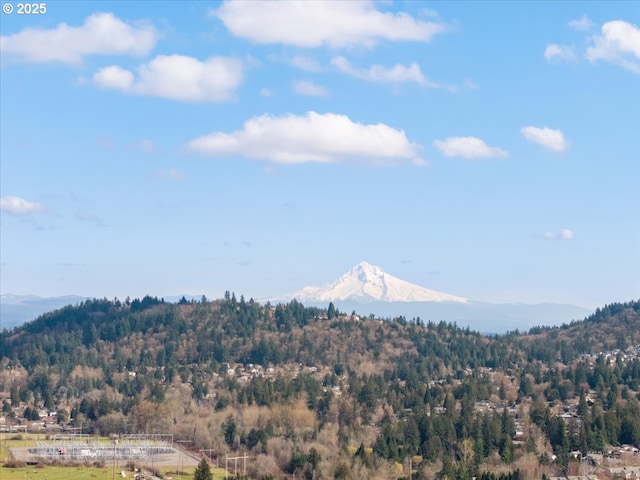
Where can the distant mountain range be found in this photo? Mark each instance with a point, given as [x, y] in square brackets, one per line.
[365, 289]
[18, 309]
[369, 289]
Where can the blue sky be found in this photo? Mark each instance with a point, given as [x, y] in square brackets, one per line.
[485, 149]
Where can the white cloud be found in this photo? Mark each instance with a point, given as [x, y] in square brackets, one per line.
[172, 174]
[564, 234]
[618, 43]
[177, 77]
[547, 137]
[555, 52]
[20, 206]
[303, 87]
[321, 23]
[377, 73]
[101, 34]
[266, 92]
[583, 23]
[314, 137]
[114, 77]
[468, 147]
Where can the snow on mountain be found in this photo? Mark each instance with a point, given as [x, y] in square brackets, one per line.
[369, 283]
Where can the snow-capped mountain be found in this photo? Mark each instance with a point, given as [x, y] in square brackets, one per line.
[367, 289]
[369, 283]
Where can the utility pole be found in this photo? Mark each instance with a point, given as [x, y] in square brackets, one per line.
[235, 464]
[182, 445]
[115, 444]
[210, 456]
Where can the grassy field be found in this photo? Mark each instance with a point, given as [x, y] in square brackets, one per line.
[51, 472]
[218, 473]
[83, 473]
[12, 440]
[56, 473]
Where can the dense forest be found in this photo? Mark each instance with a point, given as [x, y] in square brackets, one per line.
[323, 394]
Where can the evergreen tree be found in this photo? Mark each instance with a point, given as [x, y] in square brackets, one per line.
[583, 408]
[203, 472]
[229, 428]
[331, 311]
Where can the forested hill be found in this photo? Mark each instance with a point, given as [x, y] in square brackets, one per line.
[615, 326]
[106, 333]
[306, 389]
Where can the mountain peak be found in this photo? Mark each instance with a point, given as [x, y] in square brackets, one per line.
[365, 271]
[365, 266]
[370, 283]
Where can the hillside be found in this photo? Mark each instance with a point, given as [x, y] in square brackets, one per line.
[302, 388]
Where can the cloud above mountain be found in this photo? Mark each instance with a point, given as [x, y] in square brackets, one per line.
[101, 34]
[314, 137]
[20, 206]
[582, 23]
[322, 23]
[556, 53]
[177, 77]
[468, 147]
[547, 137]
[617, 43]
[378, 73]
[564, 234]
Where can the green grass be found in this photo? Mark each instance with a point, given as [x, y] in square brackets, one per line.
[218, 473]
[170, 472]
[85, 473]
[56, 473]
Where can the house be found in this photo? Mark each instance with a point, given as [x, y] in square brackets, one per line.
[628, 473]
[576, 477]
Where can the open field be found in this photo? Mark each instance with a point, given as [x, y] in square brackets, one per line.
[18, 447]
[57, 473]
[9, 441]
[85, 473]
[218, 473]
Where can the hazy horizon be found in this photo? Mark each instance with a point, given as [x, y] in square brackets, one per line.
[288, 296]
